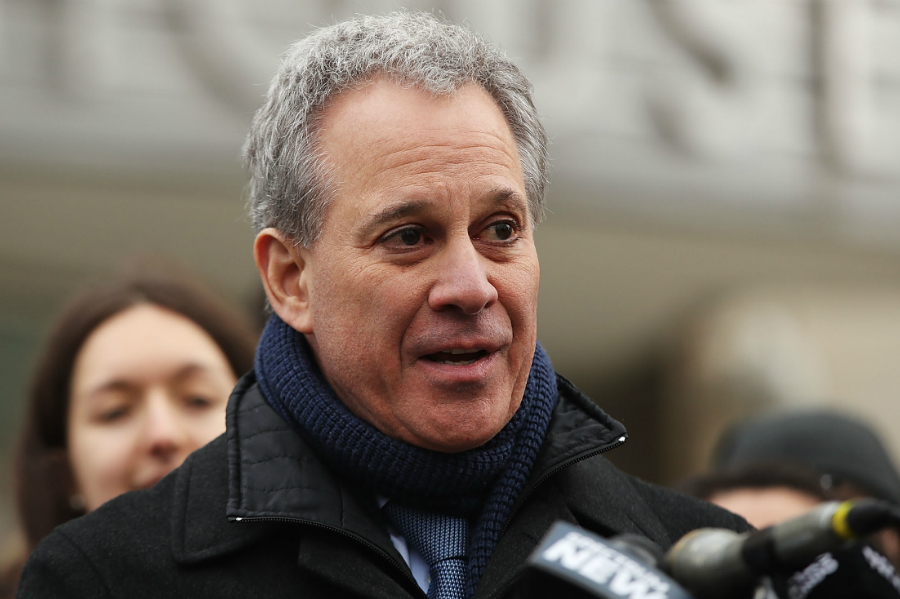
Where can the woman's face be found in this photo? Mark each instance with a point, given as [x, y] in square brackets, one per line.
[149, 386]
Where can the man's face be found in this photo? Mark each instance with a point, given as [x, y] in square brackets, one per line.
[423, 284]
[767, 505]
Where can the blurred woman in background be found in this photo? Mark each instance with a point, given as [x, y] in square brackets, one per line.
[134, 376]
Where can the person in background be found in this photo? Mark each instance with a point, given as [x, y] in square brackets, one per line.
[764, 493]
[777, 467]
[846, 455]
[134, 376]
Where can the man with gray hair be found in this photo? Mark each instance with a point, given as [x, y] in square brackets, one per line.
[402, 433]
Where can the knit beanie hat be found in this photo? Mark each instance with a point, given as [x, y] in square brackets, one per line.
[832, 443]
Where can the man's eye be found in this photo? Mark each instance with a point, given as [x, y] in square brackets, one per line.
[503, 230]
[410, 236]
[406, 238]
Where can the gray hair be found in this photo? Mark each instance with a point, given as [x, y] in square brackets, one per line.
[290, 182]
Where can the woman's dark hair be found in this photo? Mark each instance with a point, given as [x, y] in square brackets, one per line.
[44, 480]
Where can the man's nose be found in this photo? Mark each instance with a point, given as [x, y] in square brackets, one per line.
[462, 280]
[164, 432]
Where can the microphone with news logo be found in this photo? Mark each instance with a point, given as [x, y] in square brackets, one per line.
[574, 563]
[813, 556]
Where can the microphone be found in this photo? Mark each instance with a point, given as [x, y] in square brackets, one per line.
[574, 563]
[813, 556]
[709, 561]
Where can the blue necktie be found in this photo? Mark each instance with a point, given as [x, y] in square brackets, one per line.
[441, 540]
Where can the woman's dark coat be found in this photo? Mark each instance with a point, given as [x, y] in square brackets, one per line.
[256, 514]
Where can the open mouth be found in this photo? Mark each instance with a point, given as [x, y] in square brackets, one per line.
[457, 357]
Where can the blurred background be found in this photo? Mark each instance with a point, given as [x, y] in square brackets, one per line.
[724, 234]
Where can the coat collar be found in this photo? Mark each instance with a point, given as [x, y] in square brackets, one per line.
[270, 481]
[272, 477]
[275, 476]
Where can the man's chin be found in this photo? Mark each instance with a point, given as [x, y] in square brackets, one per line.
[454, 445]
[457, 432]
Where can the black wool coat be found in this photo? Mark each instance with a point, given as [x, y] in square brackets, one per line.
[256, 514]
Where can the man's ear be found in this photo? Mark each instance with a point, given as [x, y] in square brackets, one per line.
[284, 270]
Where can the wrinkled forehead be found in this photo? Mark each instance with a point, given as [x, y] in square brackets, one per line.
[386, 138]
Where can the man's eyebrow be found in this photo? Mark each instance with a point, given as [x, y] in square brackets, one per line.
[500, 197]
[510, 198]
[391, 213]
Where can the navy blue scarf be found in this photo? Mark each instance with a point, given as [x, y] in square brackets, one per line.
[482, 483]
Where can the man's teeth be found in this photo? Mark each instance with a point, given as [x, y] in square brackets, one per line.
[457, 362]
[475, 353]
